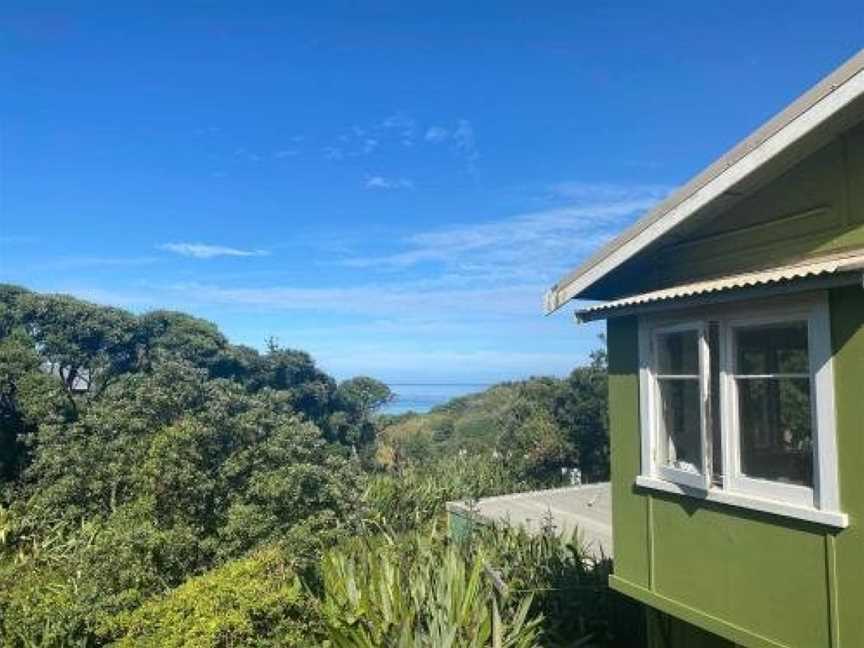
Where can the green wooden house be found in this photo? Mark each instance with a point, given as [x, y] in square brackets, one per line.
[735, 320]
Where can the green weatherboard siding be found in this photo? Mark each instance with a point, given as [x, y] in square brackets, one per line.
[629, 511]
[815, 208]
[847, 311]
[752, 578]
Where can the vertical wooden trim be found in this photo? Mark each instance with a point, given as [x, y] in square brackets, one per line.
[651, 584]
[646, 406]
[704, 383]
[831, 583]
[825, 415]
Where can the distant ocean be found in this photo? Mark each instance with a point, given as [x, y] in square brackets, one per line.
[423, 397]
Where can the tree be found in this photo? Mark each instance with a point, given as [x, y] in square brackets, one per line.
[356, 400]
[581, 409]
[167, 335]
[533, 442]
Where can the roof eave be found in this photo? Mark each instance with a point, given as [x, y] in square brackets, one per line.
[802, 117]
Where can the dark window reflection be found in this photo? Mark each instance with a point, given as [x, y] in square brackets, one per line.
[774, 406]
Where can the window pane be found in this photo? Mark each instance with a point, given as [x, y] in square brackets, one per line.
[678, 353]
[775, 425]
[776, 348]
[713, 419]
[680, 429]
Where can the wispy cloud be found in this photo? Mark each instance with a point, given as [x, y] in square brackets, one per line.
[205, 251]
[382, 182]
[246, 154]
[534, 246]
[207, 130]
[575, 190]
[101, 262]
[15, 239]
[465, 143]
[445, 365]
[333, 153]
[433, 294]
[369, 145]
[436, 134]
[403, 126]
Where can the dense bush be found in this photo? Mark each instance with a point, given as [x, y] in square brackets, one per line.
[536, 427]
[140, 452]
[568, 586]
[417, 494]
[162, 487]
[254, 601]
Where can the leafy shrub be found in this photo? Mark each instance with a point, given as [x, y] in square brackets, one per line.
[422, 593]
[254, 601]
[417, 494]
[570, 588]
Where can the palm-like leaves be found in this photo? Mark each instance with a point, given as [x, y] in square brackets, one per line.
[427, 594]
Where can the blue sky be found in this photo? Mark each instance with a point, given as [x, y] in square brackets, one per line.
[388, 185]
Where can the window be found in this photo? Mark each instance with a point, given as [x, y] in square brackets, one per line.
[737, 400]
[679, 392]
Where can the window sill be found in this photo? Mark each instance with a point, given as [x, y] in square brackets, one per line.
[827, 518]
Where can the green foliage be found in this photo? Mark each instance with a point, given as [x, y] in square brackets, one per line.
[139, 452]
[423, 592]
[581, 409]
[161, 486]
[41, 611]
[255, 601]
[85, 345]
[537, 426]
[357, 399]
[416, 496]
[569, 587]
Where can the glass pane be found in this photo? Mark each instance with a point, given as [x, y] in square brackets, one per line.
[775, 424]
[713, 419]
[776, 348]
[678, 353]
[680, 443]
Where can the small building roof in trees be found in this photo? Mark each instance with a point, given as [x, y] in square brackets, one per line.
[585, 509]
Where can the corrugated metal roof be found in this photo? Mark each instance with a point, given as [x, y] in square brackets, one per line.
[813, 268]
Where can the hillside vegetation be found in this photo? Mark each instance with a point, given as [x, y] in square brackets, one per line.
[535, 427]
[160, 486]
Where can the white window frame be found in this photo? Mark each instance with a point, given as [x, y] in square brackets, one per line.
[819, 503]
[675, 475]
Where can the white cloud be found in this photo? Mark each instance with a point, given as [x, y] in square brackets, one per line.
[436, 134]
[575, 190]
[246, 154]
[446, 365]
[533, 247]
[402, 125]
[478, 292]
[465, 143]
[205, 251]
[381, 182]
[333, 153]
[369, 145]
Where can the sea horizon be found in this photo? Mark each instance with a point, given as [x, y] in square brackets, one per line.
[420, 397]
